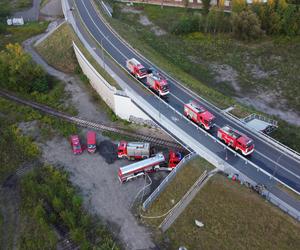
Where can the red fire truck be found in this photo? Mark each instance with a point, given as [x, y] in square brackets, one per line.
[155, 163]
[158, 83]
[133, 150]
[91, 141]
[236, 140]
[75, 144]
[199, 115]
[136, 68]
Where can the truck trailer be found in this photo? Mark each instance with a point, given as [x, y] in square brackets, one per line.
[152, 164]
[133, 150]
[236, 140]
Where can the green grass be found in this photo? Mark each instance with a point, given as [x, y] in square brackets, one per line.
[58, 51]
[176, 189]
[233, 216]
[21, 33]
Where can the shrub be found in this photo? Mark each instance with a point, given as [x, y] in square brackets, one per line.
[246, 25]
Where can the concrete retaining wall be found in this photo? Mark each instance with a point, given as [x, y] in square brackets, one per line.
[117, 100]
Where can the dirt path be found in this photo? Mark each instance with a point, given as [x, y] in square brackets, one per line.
[31, 14]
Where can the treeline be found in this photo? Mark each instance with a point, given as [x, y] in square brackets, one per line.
[48, 198]
[18, 72]
[275, 17]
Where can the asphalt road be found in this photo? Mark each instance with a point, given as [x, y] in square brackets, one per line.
[266, 156]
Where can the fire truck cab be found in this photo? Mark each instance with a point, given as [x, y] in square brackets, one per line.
[199, 115]
[91, 141]
[158, 83]
[236, 140]
[136, 68]
[75, 144]
[133, 150]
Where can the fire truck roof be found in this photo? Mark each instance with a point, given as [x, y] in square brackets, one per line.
[157, 159]
[196, 107]
[134, 61]
[138, 144]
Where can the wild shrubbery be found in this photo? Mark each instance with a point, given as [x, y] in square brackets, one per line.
[49, 198]
[18, 72]
[246, 21]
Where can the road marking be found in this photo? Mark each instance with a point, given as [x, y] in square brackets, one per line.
[103, 36]
[193, 95]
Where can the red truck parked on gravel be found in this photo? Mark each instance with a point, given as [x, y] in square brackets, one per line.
[136, 68]
[152, 164]
[91, 141]
[75, 144]
[236, 140]
[199, 115]
[133, 150]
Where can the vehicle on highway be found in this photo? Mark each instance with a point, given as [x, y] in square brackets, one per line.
[133, 150]
[152, 164]
[91, 141]
[236, 140]
[157, 83]
[199, 115]
[75, 144]
[136, 68]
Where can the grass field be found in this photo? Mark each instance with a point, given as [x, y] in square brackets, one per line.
[58, 51]
[21, 33]
[177, 188]
[234, 217]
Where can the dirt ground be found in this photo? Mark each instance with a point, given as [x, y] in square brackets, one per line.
[97, 178]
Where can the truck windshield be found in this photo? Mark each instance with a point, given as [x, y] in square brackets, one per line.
[143, 70]
[165, 88]
[77, 147]
[91, 146]
[249, 144]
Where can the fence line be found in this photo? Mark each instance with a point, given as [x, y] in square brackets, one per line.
[166, 181]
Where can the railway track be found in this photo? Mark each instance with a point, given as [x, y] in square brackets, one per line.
[89, 124]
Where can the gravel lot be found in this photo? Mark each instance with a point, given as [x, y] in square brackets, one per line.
[103, 193]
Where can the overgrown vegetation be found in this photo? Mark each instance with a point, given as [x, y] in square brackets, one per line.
[17, 34]
[177, 188]
[50, 199]
[58, 51]
[222, 203]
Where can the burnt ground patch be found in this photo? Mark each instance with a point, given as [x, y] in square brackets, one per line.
[108, 150]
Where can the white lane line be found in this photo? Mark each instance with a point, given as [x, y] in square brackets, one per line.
[103, 36]
[184, 91]
[279, 165]
[256, 151]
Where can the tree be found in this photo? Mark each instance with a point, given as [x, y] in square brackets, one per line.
[206, 6]
[246, 25]
[238, 6]
[19, 72]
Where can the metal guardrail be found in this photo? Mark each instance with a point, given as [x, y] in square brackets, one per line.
[166, 181]
[179, 133]
[262, 118]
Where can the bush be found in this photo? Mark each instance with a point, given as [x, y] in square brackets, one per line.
[185, 25]
[18, 72]
[246, 25]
